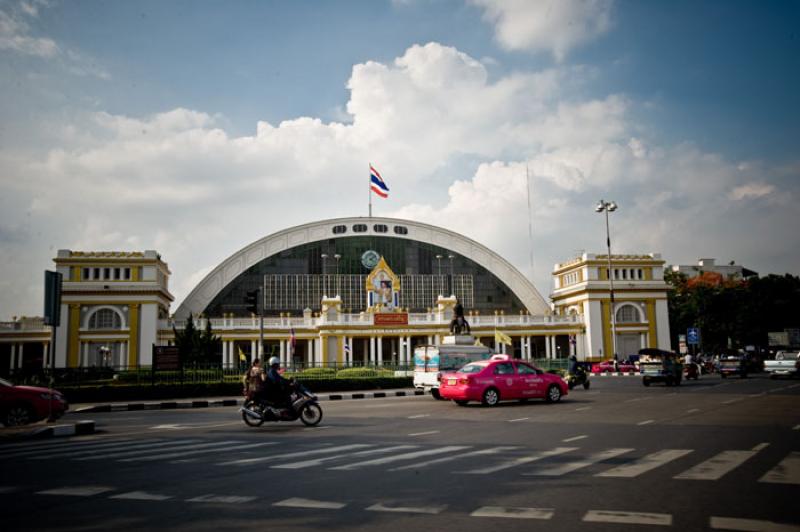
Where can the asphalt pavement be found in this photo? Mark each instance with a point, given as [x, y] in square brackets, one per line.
[711, 454]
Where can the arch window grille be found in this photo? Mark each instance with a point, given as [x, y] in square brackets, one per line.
[400, 230]
[360, 228]
[339, 229]
[628, 314]
[380, 228]
[105, 319]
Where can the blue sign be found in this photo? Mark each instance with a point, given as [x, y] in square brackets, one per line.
[692, 336]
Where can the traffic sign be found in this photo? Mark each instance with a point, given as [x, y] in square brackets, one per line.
[692, 336]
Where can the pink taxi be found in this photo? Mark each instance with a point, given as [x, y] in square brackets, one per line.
[498, 379]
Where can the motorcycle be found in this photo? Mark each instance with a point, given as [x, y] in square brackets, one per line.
[579, 378]
[691, 371]
[303, 405]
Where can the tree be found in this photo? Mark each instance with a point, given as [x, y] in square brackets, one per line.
[197, 346]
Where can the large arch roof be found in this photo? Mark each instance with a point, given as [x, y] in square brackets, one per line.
[224, 274]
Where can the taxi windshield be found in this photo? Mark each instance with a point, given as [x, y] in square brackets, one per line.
[472, 368]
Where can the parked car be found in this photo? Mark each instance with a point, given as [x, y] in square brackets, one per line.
[608, 366]
[498, 379]
[20, 405]
[785, 363]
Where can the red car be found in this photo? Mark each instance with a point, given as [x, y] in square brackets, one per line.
[20, 405]
[500, 378]
[607, 366]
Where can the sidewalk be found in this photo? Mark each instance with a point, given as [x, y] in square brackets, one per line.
[82, 408]
[42, 429]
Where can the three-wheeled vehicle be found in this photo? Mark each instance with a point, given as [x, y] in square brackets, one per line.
[657, 365]
[732, 363]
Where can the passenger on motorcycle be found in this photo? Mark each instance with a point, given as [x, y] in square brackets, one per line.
[255, 379]
[278, 388]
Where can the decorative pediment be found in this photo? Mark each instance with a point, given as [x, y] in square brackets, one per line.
[383, 288]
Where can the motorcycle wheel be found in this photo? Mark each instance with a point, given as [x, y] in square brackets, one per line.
[249, 421]
[586, 385]
[571, 385]
[311, 415]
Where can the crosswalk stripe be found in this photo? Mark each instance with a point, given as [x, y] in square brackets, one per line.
[716, 467]
[398, 457]
[216, 447]
[140, 496]
[226, 499]
[633, 518]
[786, 472]
[645, 464]
[27, 444]
[273, 457]
[108, 452]
[431, 510]
[750, 525]
[569, 467]
[319, 461]
[519, 461]
[296, 502]
[480, 452]
[63, 448]
[514, 513]
[141, 449]
[77, 491]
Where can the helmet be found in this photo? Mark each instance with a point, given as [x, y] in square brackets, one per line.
[274, 360]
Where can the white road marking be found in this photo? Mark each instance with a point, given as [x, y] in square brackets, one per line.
[514, 513]
[734, 400]
[220, 447]
[752, 525]
[633, 518]
[796, 427]
[77, 491]
[518, 419]
[519, 461]
[583, 408]
[646, 422]
[787, 472]
[326, 450]
[716, 467]
[418, 416]
[226, 499]
[49, 451]
[126, 450]
[173, 426]
[491, 450]
[141, 496]
[692, 410]
[430, 510]
[424, 433]
[398, 457]
[761, 446]
[296, 502]
[319, 461]
[645, 464]
[173, 446]
[575, 438]
[569, 467]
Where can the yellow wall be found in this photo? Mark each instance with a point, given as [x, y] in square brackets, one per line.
[133, 342]
[608, 345]
[651, 318]
[74, 344]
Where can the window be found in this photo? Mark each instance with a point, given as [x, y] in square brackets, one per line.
[105, 318]
[628, 314]
[127, 272]
[504, 368]
[339, 229]
[360, 228]
[87, 274]
[524, 369]
[380, 228]
[116, 274]
[96, 273]
[400, 230]
[639, 273]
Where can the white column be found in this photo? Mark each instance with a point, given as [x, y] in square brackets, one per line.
[430, 340]
[283, 354]
[123, 353]
[528, 347]
[349, 358]
[379, 342]
[372, 350]
[317, 351]
[547, 350]
[225, 356]
[553, 350]
[13, 361]
[310, 357]
[409, 350]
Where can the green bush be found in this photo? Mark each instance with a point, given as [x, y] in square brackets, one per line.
[364, 373]
[317, 373]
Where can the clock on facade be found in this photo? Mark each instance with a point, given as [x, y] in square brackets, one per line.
[370, 259]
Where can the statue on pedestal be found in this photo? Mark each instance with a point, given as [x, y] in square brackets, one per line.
[459, 324]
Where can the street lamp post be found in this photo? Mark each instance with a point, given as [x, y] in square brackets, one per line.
[439, 262]
[607, 207]
[452, 287]
[337, 257]
[324, 284]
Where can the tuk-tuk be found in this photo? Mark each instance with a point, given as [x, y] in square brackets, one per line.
[732, 363]
[657, 365]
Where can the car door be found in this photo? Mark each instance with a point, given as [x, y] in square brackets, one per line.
[505, 380]
[530, 381]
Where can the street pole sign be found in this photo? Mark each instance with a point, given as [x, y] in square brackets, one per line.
[692, 336]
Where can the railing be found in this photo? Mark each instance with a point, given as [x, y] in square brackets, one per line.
[25, 324]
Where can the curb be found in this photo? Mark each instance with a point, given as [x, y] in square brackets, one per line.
[174, 405]
[616, 374]
[79, 428]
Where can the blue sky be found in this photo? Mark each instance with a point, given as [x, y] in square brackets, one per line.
[133, 125]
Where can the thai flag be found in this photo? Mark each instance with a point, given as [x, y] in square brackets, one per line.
[377, 184]
[292, 341]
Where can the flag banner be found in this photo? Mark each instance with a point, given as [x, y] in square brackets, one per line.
[292, 341]
[502, 338]
[241, 355]
[377, 184]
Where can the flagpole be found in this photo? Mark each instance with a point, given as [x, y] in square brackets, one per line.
[370, 190]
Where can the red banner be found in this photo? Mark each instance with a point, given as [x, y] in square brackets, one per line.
[399, 318]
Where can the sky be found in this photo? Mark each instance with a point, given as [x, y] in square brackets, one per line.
[198, 127]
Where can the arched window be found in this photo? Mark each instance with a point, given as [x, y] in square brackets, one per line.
[105, 318]
[628, 314]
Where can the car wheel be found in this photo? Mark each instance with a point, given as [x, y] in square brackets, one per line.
[553, 394]
[586, 385]
[491, 397]
[461, 402]
[435, 394]
[17, 415]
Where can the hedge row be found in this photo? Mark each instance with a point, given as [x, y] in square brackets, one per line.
[125, 392]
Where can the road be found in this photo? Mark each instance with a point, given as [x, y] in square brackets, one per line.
[711, 454]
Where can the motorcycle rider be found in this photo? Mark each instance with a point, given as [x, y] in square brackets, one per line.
[573, 364]
[278, 388]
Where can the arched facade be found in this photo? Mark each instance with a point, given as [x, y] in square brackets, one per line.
[411, 248]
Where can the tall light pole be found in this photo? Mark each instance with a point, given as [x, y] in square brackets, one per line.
[337, 257]
[607, 207]
[452, 283]
[439, 262]
[324, 261]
